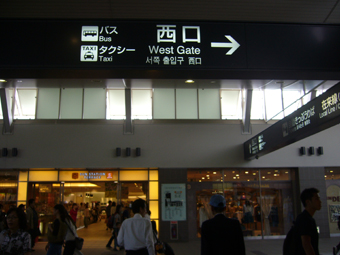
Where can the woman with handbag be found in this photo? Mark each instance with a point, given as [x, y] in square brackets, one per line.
[71, 236]
[56, 231]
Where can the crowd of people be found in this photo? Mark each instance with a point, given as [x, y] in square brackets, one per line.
[19, 230]
[133, 230]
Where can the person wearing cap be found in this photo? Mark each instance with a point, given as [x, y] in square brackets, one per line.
[221, 235]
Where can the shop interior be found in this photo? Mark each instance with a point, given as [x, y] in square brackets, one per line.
[262, 208]
[95, 194]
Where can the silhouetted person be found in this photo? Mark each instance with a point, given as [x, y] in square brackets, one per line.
[221, 235]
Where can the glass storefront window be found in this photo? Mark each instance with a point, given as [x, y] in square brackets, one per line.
[264, 206]
[8, 189]
[204, 176]
[332, 177]
[46, 196]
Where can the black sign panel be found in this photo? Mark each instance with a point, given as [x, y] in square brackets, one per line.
[319, 114]
[107, 44]
[167, 45]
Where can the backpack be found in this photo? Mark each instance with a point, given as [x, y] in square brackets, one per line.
[290, 243]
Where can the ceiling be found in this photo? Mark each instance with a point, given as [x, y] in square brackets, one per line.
[292, 11]
[281, 11]
[306, 85]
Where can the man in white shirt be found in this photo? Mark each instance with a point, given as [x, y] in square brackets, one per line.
[135, 234]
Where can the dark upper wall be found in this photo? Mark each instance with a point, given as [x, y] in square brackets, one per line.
[316, 11]
[163, 144]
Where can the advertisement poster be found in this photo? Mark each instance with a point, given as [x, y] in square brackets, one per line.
[11, 197]
[173, 202]
[334, 211]
[110, 189]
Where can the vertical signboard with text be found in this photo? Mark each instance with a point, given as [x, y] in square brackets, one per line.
[173, 202]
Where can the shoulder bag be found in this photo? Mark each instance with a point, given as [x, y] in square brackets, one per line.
[79, 241]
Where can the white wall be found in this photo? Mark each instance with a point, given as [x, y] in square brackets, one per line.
[163, 144]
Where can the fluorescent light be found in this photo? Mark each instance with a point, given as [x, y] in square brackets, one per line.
[189, 81]
[1, 80]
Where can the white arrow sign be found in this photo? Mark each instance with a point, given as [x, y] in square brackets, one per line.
[232, 44]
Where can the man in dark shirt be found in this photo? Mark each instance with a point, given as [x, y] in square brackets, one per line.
[221, 235]
[306, 225]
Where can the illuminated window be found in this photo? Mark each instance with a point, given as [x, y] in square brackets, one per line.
[257, 105]
[71, 105]
[186, 104]
[94, 103]
[1, 116]
[48, 103]
[25, 101]
[273, 102]
[141, 104]
[209, 107]
[289, 100]
[164, 104]
[115, 104]
[231, 104]
[306, 98]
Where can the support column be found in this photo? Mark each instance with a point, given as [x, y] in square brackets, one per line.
[128, 128]
[246, 112]
[6, 111]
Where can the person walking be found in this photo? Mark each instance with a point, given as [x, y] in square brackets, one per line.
[74, 212]
[306, 226]
[221, 235]
[56, 231]
[135, 233]
[71, 234]
[32, 221]
[15, 239]
[117, 220]
[87, 215]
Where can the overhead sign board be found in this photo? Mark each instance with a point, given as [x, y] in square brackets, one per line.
[107, 44]
[167, 45]
[317, 115]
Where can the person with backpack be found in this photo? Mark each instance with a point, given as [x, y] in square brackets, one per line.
[117, 220]
[303, 238]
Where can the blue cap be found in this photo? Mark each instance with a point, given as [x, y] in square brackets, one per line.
[217, 201]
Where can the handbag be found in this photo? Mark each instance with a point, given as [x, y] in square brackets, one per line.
[162, 247]
[79, 241]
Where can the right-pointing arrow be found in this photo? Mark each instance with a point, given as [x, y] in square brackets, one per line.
[232, 44]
